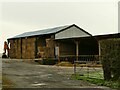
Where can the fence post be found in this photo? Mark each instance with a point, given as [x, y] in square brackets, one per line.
[74, 67]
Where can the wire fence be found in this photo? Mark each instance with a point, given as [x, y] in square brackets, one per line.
[80, 58]
[88, 65]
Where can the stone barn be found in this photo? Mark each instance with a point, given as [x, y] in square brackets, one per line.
[59, 42]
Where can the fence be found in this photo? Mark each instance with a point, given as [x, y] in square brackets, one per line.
[85, 64]
[81, 58]
[91, 66]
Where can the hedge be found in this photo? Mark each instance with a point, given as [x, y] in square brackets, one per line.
[110, 52]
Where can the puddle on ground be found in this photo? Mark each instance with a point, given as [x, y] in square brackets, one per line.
[38, 84]
[47, 75]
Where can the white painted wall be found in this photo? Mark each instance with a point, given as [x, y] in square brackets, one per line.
[72, 32]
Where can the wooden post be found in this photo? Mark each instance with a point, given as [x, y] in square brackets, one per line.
[99, 57]
[74, 67]
[21, 47]
[99, 48]
[57, 51]
[8, 47]
[17, 51]
[77, 50]
[58, 55]
[26, 48]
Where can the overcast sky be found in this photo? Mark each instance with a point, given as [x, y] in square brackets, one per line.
[95, 17]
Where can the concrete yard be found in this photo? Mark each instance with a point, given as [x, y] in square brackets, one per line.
[32, 75]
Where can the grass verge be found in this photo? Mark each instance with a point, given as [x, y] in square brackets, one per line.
[97, 81]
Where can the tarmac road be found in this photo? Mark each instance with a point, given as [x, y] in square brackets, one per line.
[33, 75]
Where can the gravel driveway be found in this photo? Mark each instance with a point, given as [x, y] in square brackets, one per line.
[33, 75]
